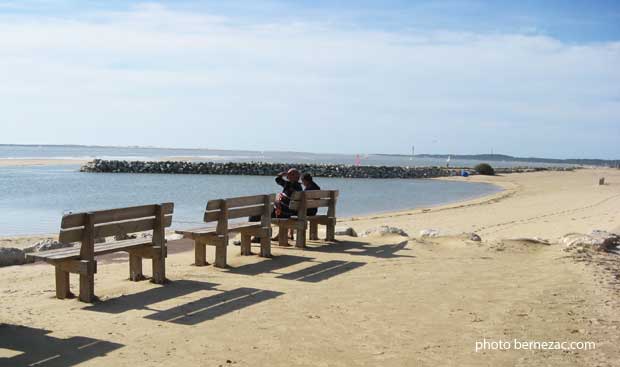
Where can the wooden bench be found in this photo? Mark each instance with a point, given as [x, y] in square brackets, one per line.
[86, 227]
[300, 202]
[223, 210]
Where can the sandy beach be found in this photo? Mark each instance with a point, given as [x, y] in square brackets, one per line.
[377, 300]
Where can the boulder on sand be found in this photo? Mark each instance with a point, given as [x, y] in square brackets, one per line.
[11, 256]
[429, 233]
[385, 230]
[349, 231]
[474, 237]
[597, 240]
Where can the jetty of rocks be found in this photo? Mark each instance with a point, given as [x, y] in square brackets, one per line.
[272, 169]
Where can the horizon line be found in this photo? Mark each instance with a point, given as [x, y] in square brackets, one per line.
[304, 152]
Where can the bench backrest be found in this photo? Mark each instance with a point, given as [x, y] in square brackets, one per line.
[85, 227]
[303, 200]
[222, 210]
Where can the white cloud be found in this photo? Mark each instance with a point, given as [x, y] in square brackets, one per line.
[157, 76]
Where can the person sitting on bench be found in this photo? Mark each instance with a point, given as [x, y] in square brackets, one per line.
[310, 185]
[289, 186]
[281, 206]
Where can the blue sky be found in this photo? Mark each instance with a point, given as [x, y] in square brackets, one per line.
[524, 78]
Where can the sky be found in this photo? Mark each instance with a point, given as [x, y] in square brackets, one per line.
[525, 78]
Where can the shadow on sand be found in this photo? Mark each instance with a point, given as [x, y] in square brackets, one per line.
[227, 301]
[272, 265]
[142, 300]
[191, 313]
[356, 248]
[33, 347]
[208, 308]
[322, 271]
[316, 272]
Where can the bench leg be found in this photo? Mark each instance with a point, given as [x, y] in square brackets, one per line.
[301, 237]
[200, 253]
[159, 267]
[220, 253]
[62, 284]
[331, 232]
[265, 244]
[87, 287]
[282, 236]
[314, 231]
[87, 281]
[135, 268]
[246, 244]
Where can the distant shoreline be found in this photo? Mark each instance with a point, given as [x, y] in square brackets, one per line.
[20, 162]
[507, 158]
[481, 157]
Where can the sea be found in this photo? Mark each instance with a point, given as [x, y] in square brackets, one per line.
[34, 198]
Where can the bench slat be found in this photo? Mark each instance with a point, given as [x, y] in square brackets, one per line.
[213, 216]
[313, 195]
[43, 254]
[318, 203]
[321, 219]
[236, 227]
[245, 212]
[97, 246]
[321, 203]
[100, 249]
[114, 228]
[236, 202]
[114, 215]
[317, 194]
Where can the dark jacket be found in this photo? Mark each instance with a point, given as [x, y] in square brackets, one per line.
[311, 187]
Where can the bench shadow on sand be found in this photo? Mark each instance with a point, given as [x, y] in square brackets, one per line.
[209, 308]
[227, 301]
[316, 272]
[34, 347]
[142, 300]
[322, 270]
[357, 248]
[191, 313]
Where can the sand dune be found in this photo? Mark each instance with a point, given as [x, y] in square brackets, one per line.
[363, 301]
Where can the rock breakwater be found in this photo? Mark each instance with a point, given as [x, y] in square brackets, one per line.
[272, 169]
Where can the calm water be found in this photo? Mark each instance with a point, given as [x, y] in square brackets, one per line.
[33, 199]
